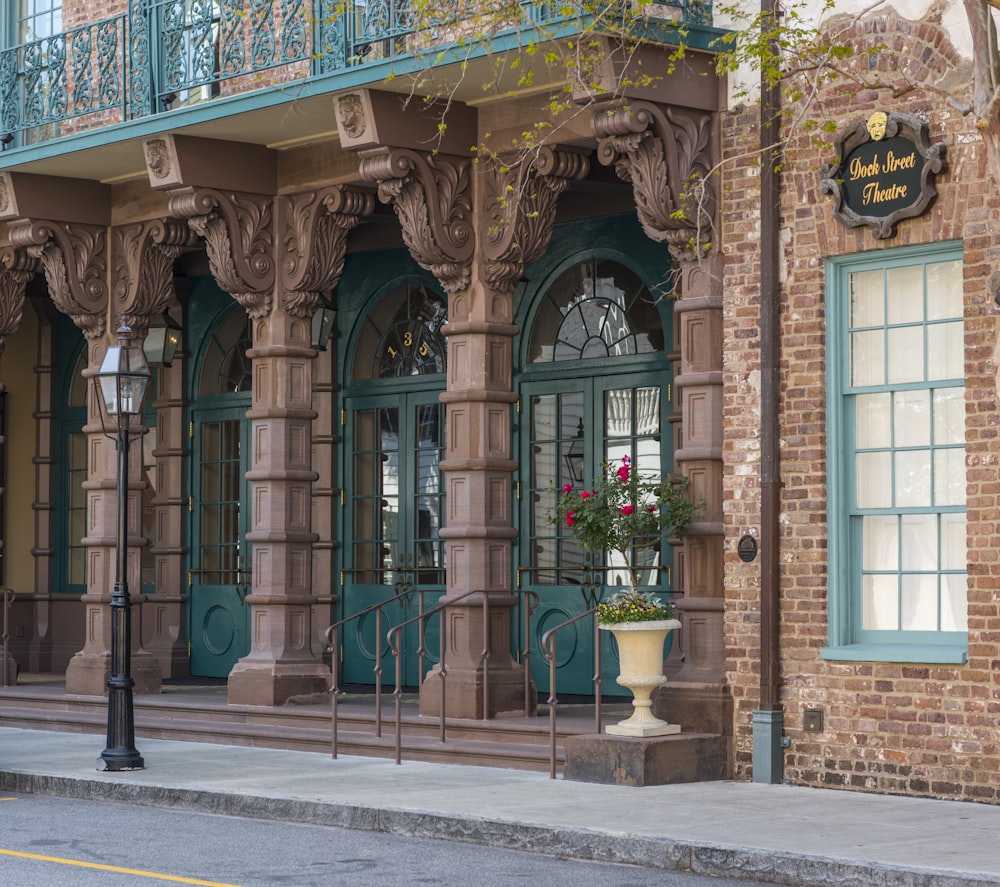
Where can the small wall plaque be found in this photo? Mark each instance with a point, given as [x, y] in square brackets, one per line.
[885, 172]
[747, 548]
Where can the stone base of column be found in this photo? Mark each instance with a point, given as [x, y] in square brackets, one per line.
[661, 760]
[464, 694]
[278, 683]
[88, 674]
[697, 707]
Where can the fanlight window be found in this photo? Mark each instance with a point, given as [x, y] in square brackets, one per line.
[596, 309]
[402, 335]
[226, 368]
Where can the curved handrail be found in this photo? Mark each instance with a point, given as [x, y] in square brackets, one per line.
[548, 644]
[392, 638]
[332, 633]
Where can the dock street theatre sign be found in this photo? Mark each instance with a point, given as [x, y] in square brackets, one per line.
[885, 172]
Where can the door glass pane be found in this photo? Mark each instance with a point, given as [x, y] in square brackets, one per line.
[219, 504]
[428, 493]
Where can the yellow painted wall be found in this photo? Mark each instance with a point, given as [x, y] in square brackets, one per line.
[17, 373]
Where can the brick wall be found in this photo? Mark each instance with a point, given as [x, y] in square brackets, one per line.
[894, 728]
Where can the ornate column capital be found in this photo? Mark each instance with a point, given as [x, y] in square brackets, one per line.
[431, 197]
[521, 207]
[16, 269]
[314, 228]
[239, 238]
[142, 278]
[74, 259]
[666, 154]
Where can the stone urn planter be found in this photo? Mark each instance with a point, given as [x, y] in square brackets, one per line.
[640, 653]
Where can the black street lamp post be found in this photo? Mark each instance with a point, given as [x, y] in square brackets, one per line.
[122, 378]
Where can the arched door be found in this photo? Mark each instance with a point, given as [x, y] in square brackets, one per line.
[219, 573]
[594, 389]
[394, 500]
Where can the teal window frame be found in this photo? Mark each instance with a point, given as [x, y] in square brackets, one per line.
[848, 639]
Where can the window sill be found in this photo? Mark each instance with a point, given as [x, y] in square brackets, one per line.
[945, 655]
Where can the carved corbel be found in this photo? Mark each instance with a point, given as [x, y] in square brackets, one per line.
[316, 226]
[238, 238]
[143, 268]
[666, 155]
[522, 209]
[74, 259]
[16, 269]
[431, 199]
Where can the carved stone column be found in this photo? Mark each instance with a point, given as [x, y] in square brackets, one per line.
[667, 155]
[75, 258]
[277, 256]
[434, 199]
[143, 287]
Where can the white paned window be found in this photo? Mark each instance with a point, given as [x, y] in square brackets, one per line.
[897, 456]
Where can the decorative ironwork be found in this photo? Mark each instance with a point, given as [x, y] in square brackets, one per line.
[201, 44]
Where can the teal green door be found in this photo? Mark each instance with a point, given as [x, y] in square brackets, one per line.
[219, 578]
[394, 509]
[570, 427]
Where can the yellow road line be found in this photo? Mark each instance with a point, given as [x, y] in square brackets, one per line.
[114, 868]
[10, 799]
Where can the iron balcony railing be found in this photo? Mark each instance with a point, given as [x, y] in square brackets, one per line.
[163, 54]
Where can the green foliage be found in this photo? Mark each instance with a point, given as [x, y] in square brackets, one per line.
[624, 511]
[633, 606]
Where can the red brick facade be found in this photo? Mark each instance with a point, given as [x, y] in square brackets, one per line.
[893, 728]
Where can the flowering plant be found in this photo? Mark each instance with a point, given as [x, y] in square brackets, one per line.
[622, 512]
[633, 606]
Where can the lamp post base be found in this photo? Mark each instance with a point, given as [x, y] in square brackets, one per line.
[117, 761]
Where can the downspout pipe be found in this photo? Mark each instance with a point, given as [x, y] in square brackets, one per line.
[768, 721]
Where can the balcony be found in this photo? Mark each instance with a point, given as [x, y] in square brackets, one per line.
[262, 71]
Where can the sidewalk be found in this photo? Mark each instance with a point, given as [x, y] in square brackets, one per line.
[786, 834]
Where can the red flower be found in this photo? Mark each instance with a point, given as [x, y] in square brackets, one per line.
[584, 495]
[627, 510]
[569, 518]
[622, 473]
[568, 488]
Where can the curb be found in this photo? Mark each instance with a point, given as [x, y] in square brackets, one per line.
[598, 846]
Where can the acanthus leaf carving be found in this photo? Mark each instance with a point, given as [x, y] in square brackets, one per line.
[74, 260]
[239, 239]
[16, 269]
[431, 198]
[666, 156]
[522, 208]
[142, 272]
[316, 226]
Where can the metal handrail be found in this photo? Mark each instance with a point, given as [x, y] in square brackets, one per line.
[548, 645]
[332, 634]
[392, 639]
[8, 601]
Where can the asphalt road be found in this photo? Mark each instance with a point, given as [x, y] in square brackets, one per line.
[56, 842]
